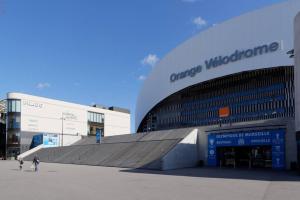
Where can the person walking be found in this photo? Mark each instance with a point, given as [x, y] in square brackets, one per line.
[36, 162]
[21, 162]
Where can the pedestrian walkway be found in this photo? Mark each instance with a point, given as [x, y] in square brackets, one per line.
[77, 182]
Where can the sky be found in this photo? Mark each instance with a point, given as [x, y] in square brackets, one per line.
[98, 51]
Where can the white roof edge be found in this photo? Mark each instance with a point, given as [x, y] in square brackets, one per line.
[19, 95]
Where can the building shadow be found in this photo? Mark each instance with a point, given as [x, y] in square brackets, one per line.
[225, 173]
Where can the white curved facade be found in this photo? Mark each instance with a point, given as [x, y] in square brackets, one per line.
[266, 26]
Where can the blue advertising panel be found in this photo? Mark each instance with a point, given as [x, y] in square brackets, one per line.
[36, 141]
[50, 140]
[278, 149]
[274, 138]
[212, 150]
[98, 135]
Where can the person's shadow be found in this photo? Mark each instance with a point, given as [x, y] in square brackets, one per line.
[28, 170]
[24, 170]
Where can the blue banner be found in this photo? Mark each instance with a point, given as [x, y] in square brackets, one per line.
[212, 150]
[98, 135]
[274, 138]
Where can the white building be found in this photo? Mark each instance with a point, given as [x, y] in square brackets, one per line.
[60, 123]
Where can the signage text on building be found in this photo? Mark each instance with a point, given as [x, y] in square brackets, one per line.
[217, 61]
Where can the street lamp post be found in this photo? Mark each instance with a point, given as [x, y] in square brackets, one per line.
[62, 129]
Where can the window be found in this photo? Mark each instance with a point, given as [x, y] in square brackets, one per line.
[18, 106]
[13, 137]
[95, 117]
[13, 105]
[14, 121]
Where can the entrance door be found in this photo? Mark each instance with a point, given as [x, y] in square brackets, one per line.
[245, 157]
[261, 157]
[226, 157]
[234, 157]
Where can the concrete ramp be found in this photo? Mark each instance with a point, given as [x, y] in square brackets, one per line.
[159, 150]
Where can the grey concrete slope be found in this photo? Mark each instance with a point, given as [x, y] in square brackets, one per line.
[123, 138]
[128, 151]
[86, 140]
[110, 139]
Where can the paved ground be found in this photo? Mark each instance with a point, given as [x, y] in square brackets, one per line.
[58, 181]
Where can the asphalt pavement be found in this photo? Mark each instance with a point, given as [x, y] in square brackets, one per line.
[60, 181]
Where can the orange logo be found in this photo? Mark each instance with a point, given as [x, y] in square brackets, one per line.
[224, 112]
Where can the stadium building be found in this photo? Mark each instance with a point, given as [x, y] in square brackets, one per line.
[28, 121]
[236, 83]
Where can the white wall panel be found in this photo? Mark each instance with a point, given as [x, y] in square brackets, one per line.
[39, 115]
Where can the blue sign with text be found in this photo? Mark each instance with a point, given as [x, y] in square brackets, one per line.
[274, 138]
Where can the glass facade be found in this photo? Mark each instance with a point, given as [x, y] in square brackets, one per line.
[13, 127]
[95, 117]
[14, 106]
[2, 140]
[247, 96]
[95, 123]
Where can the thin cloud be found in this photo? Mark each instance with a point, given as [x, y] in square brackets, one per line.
[199, 22]
[150, 60]
[142, 78]
[43, 85]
